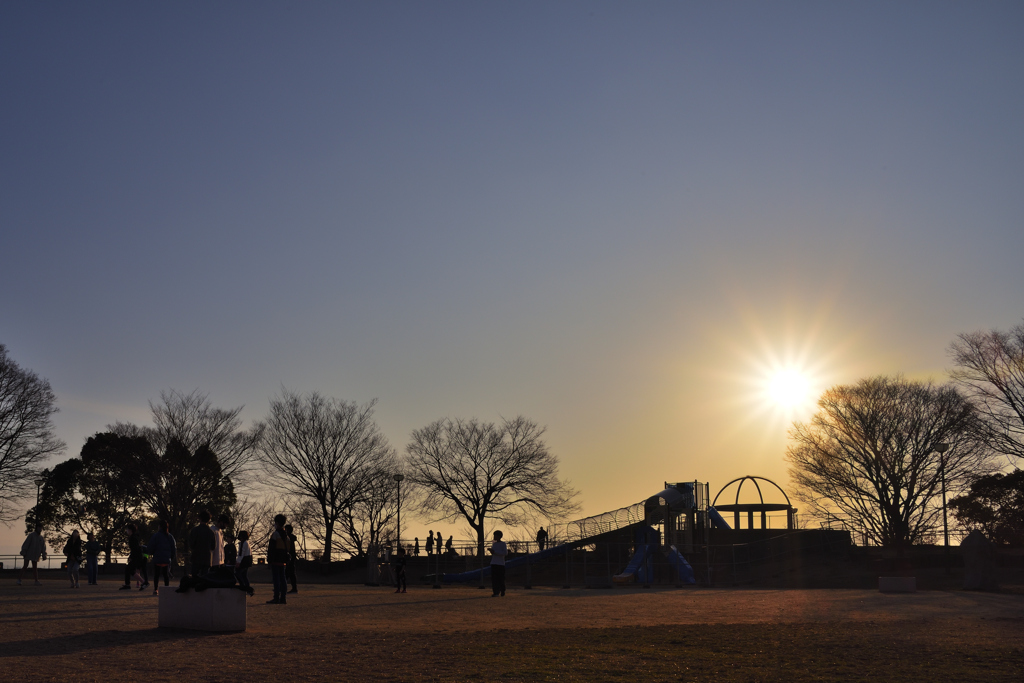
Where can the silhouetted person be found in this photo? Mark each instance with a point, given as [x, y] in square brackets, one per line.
[542, 539]
[244, 562]
[32, 550]
[398, 564]
[200, 545]
[447, 546]
[163, 550]
[136, 559]
[416, 546]
[437, 542]
[430, 543]
[217, 556]
[277, 557]
[498, 553]
[73, 556]
[289, 569]
[92, 558]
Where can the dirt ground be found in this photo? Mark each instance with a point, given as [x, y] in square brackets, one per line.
[342, 633]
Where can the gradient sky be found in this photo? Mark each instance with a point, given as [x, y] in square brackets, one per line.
[614, 218]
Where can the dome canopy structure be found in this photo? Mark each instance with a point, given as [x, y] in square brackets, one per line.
[736, 507]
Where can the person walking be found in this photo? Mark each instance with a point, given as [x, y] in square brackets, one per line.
[289, 569]
[200, 545]
[498, 553]
[32, 550]
[164, 551]
[73, 556]
[542, 539]
[277, 558]
[136, 559]
[92, 558]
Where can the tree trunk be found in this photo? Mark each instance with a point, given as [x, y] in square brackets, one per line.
[328, 539]
[480, 540]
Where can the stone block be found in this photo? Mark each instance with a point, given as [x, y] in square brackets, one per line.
[214, 609]
[897, 584]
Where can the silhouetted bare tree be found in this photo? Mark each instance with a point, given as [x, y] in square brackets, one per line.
[990, 370]
[478, 471]
[193, 422]
[323, 449]
[869, 453]
[26, 431]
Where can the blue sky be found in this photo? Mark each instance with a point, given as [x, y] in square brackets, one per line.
[614, 218]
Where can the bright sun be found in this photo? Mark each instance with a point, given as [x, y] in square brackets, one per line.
[788, 388]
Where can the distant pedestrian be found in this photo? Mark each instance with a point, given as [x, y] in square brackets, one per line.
[430, 543]
[498, 553]
[542, 539]
[416, 546]
[448, 547]
[244, 562]
[438, 541]
[92, 558]
[73, 556]
[32, 550]
[164, 552]
[136, 559]
[292, 556]
[200, 545]
[398, 564]
[277, 558]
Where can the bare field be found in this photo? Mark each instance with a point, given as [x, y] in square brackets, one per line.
[340, 633]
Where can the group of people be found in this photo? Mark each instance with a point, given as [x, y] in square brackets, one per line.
[433, 543]
[212, 551]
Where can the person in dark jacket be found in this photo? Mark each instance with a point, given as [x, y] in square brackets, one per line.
[73, 555]
[398, 562]
[289, 570]
[200, 545]
[164, 552]
[136, 559]
[92, 557]
[277, 558]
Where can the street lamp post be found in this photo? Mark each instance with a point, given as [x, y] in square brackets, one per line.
[398, 482]
[941, 449]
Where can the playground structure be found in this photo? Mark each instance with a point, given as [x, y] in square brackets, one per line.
[677, 536]
[671, 524]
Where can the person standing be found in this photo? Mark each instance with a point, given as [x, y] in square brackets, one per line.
[164, 551]
[289, 570]
[438, 541]
[448, 547]
[277, 557]
[217, 556]
[32, 550]
[136, 559]
[200, 545]
[244, 562]
[398, 564]
[416, 546]
[73, 556]
[498, 553]
[430, 543]
[542, 539]
[92, 558]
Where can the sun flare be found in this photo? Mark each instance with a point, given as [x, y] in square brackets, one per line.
[788, 388]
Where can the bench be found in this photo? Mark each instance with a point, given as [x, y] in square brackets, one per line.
[214, 609]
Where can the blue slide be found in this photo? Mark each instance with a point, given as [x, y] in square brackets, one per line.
[683, 569]
[717, 520]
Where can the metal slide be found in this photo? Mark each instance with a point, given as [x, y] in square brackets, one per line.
[684, 571]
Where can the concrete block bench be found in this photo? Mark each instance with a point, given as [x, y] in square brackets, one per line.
[214, 609]
[897, 584]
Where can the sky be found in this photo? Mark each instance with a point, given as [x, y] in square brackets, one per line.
[617, 219]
